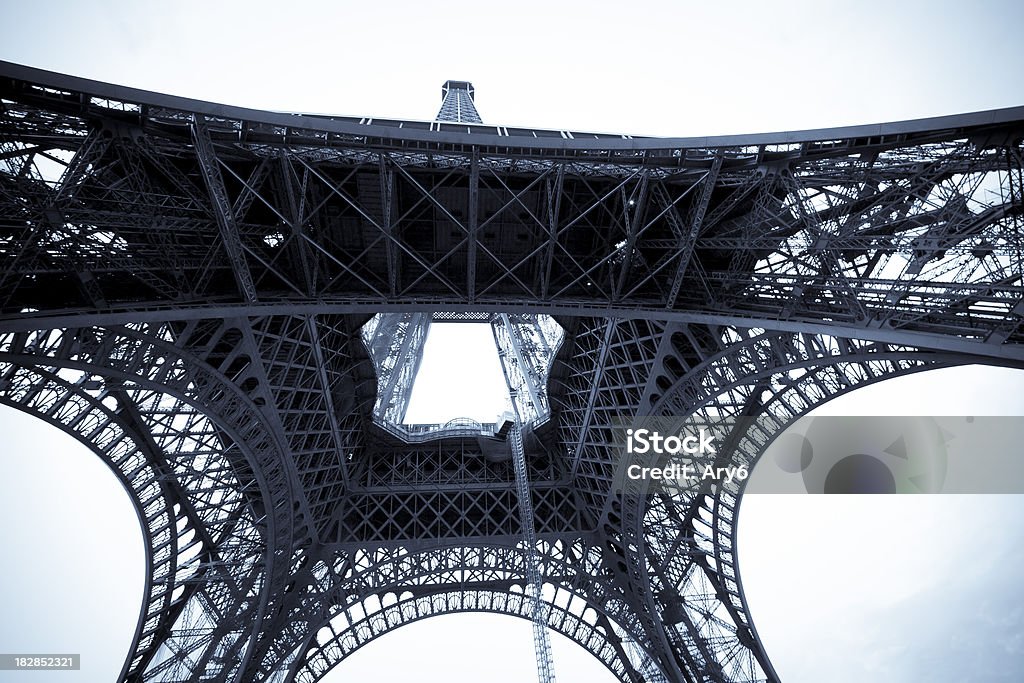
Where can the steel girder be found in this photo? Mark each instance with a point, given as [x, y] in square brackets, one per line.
[183, 286]
[902, 231]
[395, 343]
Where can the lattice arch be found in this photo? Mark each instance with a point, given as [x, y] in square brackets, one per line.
[380, 591]
[73, 410]
[779, 378]
[591, 637]
[187, 447]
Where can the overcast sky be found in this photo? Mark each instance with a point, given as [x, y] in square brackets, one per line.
[841, 588]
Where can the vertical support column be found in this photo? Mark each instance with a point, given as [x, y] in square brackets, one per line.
[541, 644]
[396, 348]
[517, 370]
[222, 210]
[472, 225]
[526, 346]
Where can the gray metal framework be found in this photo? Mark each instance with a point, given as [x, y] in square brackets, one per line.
[184, 287]
[458, 103]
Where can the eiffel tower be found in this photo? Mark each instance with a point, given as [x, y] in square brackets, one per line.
[228, 307]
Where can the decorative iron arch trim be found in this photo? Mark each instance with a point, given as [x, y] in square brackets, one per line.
[371, 576]
[496, 602]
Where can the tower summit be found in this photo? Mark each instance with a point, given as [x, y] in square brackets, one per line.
[457, 103]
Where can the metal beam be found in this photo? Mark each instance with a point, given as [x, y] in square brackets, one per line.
[688, 239]
[222, 208]
[929, 340]
[531, 142]
[471, 226]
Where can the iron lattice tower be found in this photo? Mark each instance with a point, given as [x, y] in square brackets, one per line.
[185, 287]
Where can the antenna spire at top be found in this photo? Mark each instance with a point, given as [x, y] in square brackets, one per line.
[457, 103]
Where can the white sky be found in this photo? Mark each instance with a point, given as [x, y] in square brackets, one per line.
[841, 588]
[460, 376]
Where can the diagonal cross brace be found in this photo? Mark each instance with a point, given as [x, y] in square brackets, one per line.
[688, 240]
[222, 210]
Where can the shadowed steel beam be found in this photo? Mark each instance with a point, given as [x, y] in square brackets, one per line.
[939, 342]
[472, 227]
[595, 385]
[689, 233]
[222, 212]
[321, 366]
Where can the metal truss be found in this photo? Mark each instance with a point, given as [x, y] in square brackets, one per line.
[204, 491]
[190, 290]
[524, 381]
[387, 589]
[526, 348]
[457, 103]
[395, 343]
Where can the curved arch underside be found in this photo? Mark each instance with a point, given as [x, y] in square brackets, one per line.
[182, 288]
[140, 406]
[370, 593]
[689, 539]
[593, 639]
